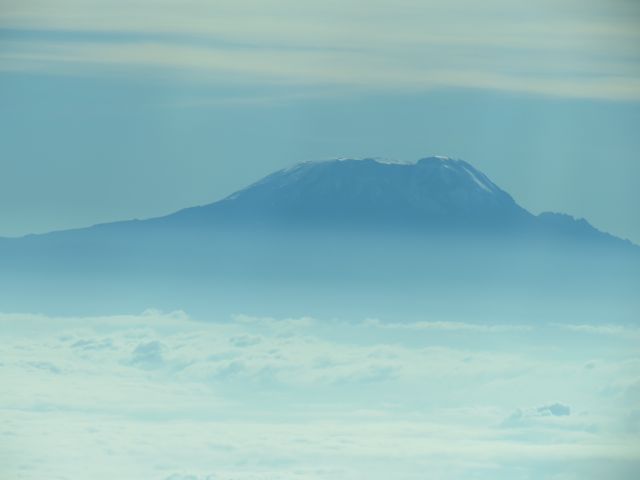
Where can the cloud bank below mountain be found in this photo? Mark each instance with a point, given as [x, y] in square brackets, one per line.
[164, 396]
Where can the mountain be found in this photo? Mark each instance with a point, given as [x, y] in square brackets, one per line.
[435, 195]
[435, 192]
[368, 232]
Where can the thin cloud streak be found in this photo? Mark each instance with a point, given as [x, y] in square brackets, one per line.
[544, 50]
[317, 69]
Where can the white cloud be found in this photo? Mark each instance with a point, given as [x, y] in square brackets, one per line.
[449, 326]
[627, 331]
[165, 396]
[544, 49]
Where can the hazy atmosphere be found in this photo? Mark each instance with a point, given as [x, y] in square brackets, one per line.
[281, 239]
[115, 110]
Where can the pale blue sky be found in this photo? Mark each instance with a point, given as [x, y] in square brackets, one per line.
[112, 110]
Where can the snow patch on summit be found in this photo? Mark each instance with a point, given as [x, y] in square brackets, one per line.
[478, 182]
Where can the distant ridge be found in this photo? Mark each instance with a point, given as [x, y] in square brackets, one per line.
[369, 234]
[436, 195]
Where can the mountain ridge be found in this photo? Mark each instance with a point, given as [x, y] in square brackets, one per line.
[419, 235]
[432, 194]
[434, 191]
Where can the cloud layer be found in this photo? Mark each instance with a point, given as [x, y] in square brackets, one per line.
[565, 48]
[167, 397]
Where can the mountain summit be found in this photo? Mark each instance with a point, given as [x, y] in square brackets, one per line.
[434, 192]
[338, 229]
[435, 195]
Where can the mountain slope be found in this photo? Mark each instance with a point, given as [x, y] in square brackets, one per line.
[435, 195]
[434, 192]
[331, 236]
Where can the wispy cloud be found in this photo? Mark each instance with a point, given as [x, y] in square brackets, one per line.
[627, 331]
[449, 326]
[546, 49]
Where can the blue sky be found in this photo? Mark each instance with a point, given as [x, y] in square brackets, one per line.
[112, 110]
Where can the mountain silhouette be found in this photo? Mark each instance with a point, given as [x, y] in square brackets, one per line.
[435, 192]
[361, 232]
[437, 195]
